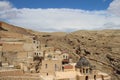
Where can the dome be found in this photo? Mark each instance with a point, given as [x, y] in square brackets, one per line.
[83, 62]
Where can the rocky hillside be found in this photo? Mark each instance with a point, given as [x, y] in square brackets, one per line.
[5, 27]
[102, 48]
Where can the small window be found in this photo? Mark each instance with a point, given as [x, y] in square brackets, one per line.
[86, 70]
[37, 46]
[46, 45]
[46, 65]
[33, 41]
[55, 67]
[33, 38]
[0, 64]
[80, 71]
[83, 70]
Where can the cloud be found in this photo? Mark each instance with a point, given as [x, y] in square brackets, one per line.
[5, 5]
[115, 7]
[64, 19]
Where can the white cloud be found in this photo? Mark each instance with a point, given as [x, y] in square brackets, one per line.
[115, 7]
[60, 19]
[5, 5]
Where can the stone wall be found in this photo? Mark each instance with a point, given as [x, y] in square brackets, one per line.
[16, 74]
[12, 47]
[19, 78]
[13, 72]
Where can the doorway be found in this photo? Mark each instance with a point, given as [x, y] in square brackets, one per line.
[86, 78]
[94, 77]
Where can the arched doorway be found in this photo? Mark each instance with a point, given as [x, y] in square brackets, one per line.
[94, 77]
[86, 78]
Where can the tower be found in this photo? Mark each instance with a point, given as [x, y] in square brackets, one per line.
[83, 66]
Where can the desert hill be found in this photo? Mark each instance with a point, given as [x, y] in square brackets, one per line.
[102, 47]
[14, 29]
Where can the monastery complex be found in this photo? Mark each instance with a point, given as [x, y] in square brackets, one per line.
[27, 59]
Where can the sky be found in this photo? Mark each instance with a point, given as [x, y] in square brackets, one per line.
[61, 15]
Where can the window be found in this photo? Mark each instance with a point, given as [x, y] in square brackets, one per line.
[83, 70]
[0, 64]
[62, 68]
[86, 70]
[46, 65]
[80, 71]
[37, 46]
[55, 67]
[33, 38]
[33, 41]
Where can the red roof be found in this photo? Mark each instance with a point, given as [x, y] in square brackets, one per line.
[68, 67]
[65, 60]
